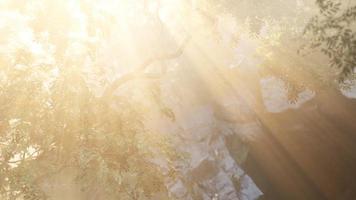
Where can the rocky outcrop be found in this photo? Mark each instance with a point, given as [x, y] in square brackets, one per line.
[215, 148]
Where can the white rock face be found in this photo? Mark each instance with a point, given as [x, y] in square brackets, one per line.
[275, 98]
[210, 171]
[351, 91]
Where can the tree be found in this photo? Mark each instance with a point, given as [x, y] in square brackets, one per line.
[54, 118]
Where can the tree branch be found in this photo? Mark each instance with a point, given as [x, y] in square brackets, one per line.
[140, 71]
[23, 157]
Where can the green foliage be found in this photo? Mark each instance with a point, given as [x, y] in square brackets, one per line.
[333, 32]
[46, 130]
[52, 118]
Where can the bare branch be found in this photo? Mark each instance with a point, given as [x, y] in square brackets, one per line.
[140, 71]
[23, 157]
